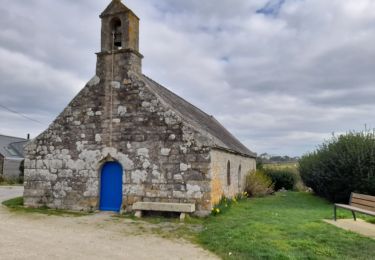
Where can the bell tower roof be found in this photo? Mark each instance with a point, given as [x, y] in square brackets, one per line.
[115, 7]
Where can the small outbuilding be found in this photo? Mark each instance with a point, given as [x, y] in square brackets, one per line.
[11, 157]
[125, 139]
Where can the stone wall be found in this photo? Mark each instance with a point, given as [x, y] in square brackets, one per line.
[239, 167]
[158, 151]
[11, 169]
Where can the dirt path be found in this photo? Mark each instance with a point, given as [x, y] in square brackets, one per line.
[34, 236]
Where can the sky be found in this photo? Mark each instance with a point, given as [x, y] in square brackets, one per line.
[281, 75]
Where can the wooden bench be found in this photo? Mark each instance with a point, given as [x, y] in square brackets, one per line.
[360, 203]
[182, 208]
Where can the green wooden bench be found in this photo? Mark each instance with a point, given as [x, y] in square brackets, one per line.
[360, 203]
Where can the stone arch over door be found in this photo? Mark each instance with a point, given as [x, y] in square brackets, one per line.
[111, 182]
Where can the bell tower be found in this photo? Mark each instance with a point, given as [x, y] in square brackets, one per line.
[119, 42]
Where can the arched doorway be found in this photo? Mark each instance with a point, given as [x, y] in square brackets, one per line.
[111, 187]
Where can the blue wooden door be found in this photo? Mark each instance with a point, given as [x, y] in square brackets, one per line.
[111, 187]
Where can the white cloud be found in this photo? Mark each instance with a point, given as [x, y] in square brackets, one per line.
[281, 83]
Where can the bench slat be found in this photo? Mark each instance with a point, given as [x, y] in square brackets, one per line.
[363, 197]
[360, 210]
[362, 207]
[363, 202]
[170, 207]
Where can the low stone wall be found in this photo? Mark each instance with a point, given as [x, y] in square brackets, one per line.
[239, 167]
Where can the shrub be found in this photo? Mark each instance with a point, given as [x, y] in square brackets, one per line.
[282, 178]
[259, 163]
[258, 184]
[340, 166]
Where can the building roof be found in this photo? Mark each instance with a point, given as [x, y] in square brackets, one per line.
[115, 7]
[221, 137]
[12, 147]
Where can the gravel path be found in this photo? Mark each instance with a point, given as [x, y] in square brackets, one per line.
[35, 236]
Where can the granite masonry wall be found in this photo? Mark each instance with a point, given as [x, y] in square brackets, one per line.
[161, 158]
[239, 167]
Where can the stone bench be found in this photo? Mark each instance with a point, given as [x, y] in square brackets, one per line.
[182, 208]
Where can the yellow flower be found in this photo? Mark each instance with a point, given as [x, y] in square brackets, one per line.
[217, 210]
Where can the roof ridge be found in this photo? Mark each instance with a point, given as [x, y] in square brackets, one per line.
[13, 137]
[178, 96]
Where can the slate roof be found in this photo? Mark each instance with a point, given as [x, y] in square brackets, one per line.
[221, 137]
[12, 147]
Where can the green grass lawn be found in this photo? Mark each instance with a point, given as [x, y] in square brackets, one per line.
[16, 205]
[285, 226]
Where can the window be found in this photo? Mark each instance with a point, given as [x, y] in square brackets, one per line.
[239, 177]
[228, 173]
[116, 33]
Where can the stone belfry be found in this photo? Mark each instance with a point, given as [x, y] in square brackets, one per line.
[119, 53]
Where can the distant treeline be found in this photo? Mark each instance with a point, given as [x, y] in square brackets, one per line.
[266, 158]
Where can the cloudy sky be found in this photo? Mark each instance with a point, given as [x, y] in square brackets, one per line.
[282, 75]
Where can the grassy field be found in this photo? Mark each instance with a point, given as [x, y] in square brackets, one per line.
[286, 226]
[279, 166]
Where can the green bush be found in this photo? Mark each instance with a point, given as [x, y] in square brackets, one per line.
[340, 166]
[282, 178]
[259, 164]
[258, 184]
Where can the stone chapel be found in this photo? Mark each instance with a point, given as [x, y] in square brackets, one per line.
[126, 139]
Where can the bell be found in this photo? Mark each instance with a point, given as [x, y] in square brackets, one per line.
[117, 40]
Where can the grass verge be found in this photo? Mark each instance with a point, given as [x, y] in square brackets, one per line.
[285, 226]
[16, 205]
